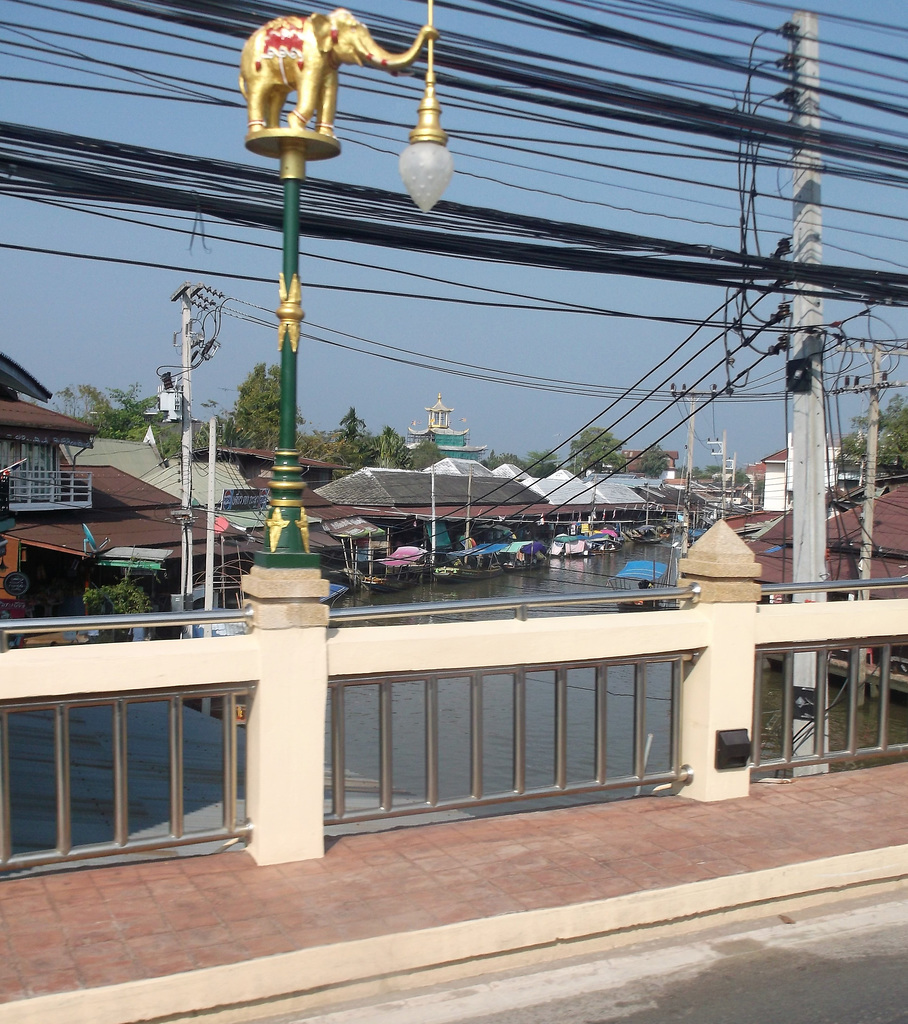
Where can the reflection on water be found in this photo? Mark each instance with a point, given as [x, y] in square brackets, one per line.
[558, 576]
[499, 699]
[868, 711]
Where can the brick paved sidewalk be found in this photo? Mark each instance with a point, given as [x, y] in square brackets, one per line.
[78, 929]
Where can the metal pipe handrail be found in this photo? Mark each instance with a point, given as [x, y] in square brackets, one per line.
[823, 586]
[519, 605]
[86, 623]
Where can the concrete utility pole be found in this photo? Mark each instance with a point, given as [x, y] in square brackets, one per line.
[873, 434]
[805, 363]
[184, 294]
[805, 380]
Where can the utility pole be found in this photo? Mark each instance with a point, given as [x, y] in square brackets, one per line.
[804, 374]
[692, 397]
[805, 363]
[184, 295]
[870, 468]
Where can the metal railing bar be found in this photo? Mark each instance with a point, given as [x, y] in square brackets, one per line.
[519, 713]
[6, 843]
[677, 678]
[229, 763]
[861, 753]
[560, 728]
[431, 725]
[476, 685]
[572, 789]
[852, 682]
[133, 696]
[600, 739]
[595, 597]
[119, 713]
[787, 707]
[821, 704]
[831, 585]
[640, 720]
[385, 727]
[62, 780]
[885, 683]
[86, 623]
[175, 733]
[28, 860]
[630, 659]
[338, 751]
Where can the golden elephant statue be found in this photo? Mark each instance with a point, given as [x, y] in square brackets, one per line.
[302, 55]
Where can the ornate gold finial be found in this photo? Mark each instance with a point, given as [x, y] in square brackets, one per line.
[290, 313]
[303, 524]
[275, 523]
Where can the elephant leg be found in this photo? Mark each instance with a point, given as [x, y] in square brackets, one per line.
[327, 107]
[308, 90]
[256, 95]
[274, 106]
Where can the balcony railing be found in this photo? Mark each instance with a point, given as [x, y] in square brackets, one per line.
[46, 490]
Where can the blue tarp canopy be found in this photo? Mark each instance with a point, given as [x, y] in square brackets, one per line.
[651, 571]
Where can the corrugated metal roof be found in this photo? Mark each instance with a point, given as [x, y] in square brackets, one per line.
[16, 413]
[403, 487]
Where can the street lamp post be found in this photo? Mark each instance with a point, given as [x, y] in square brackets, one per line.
[303, 55]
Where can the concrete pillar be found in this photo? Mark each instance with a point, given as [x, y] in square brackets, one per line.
[718, 693]
[285, 758]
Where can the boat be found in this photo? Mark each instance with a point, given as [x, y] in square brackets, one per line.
[565, 545]
[604, 540]
[477, 563]
[647, 535]
[335, 591]
[521, 555]
[640, 575]
[403, 569]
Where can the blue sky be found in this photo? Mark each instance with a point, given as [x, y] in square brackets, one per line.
[72, 321]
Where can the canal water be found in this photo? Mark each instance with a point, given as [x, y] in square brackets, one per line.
[558, 576]
[408, 747]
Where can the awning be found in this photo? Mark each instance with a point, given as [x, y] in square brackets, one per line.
[134, 558]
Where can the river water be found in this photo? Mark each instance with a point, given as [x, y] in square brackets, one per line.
[558, 576]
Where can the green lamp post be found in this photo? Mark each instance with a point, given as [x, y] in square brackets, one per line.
[302, 55]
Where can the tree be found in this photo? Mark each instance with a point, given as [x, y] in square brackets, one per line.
[425, 454]
[892, 442]
[654, 462]
[122, 598]
[540, 464]
[595, 448]
[393, 452]
[255, 421]
[119, 413]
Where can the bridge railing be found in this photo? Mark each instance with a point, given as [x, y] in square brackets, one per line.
[284, 667]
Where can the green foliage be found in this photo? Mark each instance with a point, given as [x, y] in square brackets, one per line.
[123, 598]
[255, 421]
[595, 448]
[540, 464]
[393, 452]
[425, 454]
[654, 462]
[892, 443]
[118, 413]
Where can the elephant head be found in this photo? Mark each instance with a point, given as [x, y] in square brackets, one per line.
[350, 42]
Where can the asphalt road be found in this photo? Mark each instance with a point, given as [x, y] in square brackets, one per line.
[833, 965]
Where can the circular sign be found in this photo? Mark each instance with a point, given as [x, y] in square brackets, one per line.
[15, 583]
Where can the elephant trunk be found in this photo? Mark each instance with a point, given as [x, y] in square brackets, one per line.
[381, 58]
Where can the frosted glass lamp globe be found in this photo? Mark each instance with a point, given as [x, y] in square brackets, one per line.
[426, 169]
